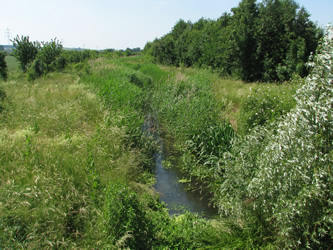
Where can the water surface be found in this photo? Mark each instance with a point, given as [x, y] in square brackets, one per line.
[174, 193]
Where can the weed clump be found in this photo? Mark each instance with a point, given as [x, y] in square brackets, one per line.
[265, 104]
[125, 218]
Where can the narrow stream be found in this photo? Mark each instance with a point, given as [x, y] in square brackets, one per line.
[172, 192]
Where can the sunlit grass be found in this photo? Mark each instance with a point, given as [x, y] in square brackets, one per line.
[12, 63]
[66, 141]
[230, 94]
[56, 147]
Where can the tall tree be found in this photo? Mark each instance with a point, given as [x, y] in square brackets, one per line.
[244, 38]
[266, 41]
[25, 51]
[274, 25]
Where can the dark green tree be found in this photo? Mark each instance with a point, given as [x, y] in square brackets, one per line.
[180, 27]
[266, 41]
[275, 25]
[25, 51]
[164, 50]
[180, 34]
[3, 66]
[245, 41]
[303, 39]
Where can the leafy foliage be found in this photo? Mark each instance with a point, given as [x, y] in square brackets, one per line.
[279, 179]
[25, 51]
[266, 41]
[47, 60]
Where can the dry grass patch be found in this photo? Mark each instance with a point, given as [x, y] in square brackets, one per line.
[230, 94]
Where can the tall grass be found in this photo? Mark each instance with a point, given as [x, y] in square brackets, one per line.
[58, 153]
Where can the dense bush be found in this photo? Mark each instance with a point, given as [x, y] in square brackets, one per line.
[279, 180]
[25, 51]
[41, 58]
[46, 60]
[78, 56]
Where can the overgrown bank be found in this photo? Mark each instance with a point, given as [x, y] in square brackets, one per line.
[76, 166]
[275, 180]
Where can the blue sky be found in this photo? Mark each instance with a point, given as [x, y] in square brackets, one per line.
[118, 24]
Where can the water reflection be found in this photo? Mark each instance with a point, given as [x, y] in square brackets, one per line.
[174, 193]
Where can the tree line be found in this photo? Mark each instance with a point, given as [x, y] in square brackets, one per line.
[39, 58]
[267, 41]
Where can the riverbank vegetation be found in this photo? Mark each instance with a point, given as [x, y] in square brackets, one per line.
[77, 166]
[76, 169]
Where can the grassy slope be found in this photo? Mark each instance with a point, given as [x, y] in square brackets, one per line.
[61, 153]
[55, 150]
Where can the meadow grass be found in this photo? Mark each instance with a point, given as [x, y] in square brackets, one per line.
[58, 151]
[230, 94]
[76, 167]
[12, 63]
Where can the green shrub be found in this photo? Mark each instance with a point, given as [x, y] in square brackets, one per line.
[77, 56]
[35, 70]
[279, 179]
[47, 60]
[25, 51]
[82, 68]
